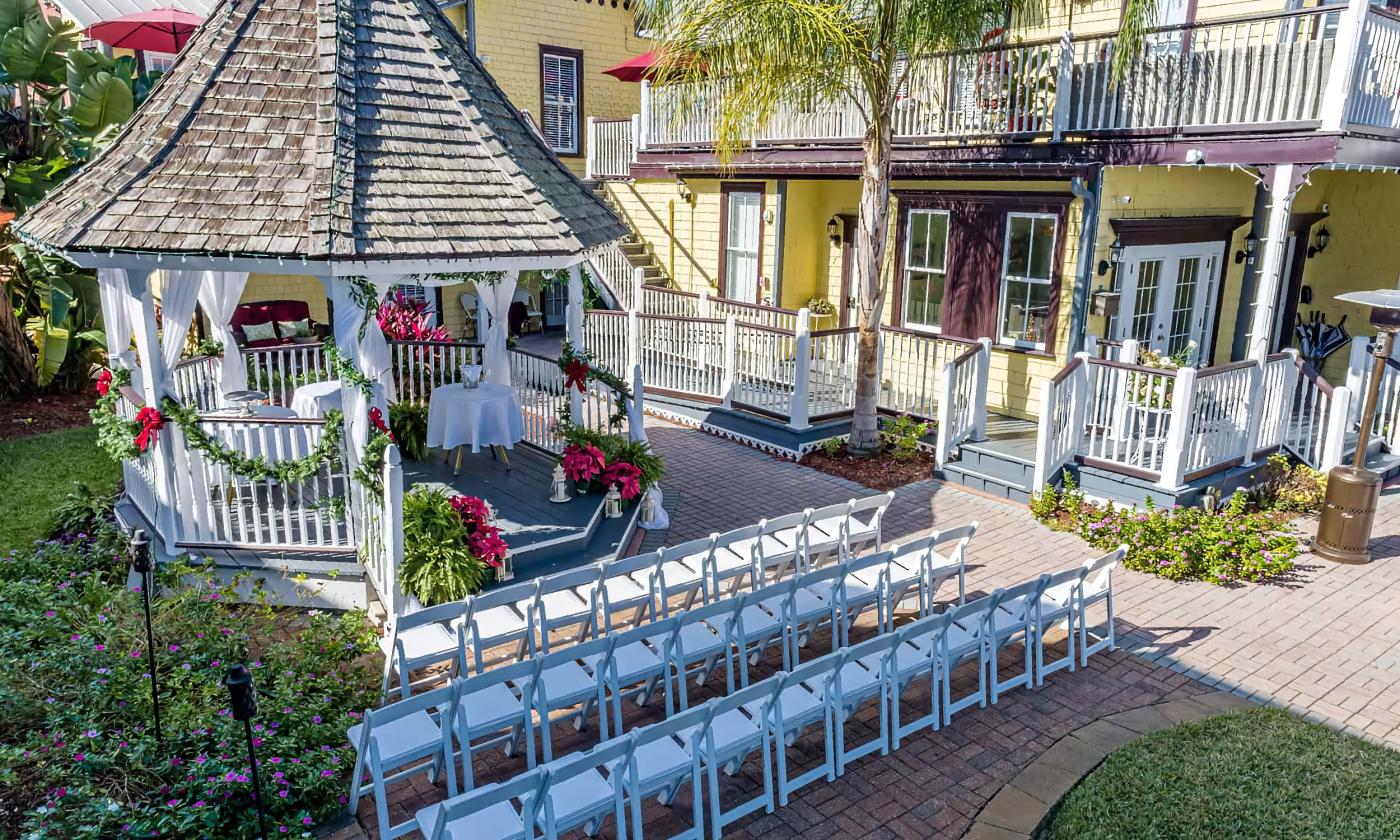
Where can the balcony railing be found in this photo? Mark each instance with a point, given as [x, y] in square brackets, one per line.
[1283, 70]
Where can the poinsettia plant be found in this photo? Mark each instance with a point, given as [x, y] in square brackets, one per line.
[595, 461]
[450, 543]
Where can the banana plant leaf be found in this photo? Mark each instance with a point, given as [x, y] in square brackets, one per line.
[101, 100]
[13, 13]
[36, 51]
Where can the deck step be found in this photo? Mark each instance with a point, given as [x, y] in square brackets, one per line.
[992, 485]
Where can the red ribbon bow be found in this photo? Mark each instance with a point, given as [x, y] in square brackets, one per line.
[104, 382]
[151, 422]
[576, 375]
[376, 419]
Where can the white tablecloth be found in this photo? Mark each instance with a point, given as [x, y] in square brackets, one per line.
[315, 399]
[488, 415]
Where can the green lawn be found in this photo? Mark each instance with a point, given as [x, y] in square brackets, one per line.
[1257, 774]
[37, 472]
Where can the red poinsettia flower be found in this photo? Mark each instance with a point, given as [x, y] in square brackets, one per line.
[376, 419]
[576, 375]
[488, 546]
[150, 421]
[627, 477]
[582, 463]
[104, 382]
[475, 513]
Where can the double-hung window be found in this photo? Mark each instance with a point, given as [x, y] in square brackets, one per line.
[1027, 262]
[925, 268]
[561, 75]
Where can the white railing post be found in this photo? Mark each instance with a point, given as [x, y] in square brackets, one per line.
[944, 414]
[802, 369]
[636, 137]
[1044, 435]
[590, 139]
[391, 532]
[634, 339]
[1358, 363]
[643, 133]
[1079, 408]
[639, 282]
[1091, 345]
[731, 360]
[1128, 352]
[1254, 410]
[979, 395]
[1338, 421]
[1064, 87]
[1174, 450]
[1336, 98]
[636, 410]
[702, 306]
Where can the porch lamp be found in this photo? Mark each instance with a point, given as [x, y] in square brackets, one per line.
[833, 230]
[1115, 256]
[1322, 239]
[243, 705]
[141, 562]
[1349, 509]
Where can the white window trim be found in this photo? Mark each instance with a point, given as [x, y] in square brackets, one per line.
[1005, 263]
[905, 323]
[576, 120]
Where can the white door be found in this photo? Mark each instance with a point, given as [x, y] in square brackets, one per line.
[741, 245]
[1168, 296]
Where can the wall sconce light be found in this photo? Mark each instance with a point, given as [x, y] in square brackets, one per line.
[1251, 247]
[1115, 256]
[1323, 237]
[683, 189]
[833, 230]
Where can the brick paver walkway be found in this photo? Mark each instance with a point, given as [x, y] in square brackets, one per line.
[1325, 643]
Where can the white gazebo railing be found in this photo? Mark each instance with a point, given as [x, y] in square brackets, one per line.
[544, 394]
[417, 367]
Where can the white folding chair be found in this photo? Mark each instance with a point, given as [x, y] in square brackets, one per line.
[730, 560]
[495, 707]
[823, 547]
[639, 665]
[857, 595]
[726, 739]
[582, 788]
[564, 599]
[627, 585]
[1011, 622]
[916, 652]
[758, 623]
[779, 549]
[487, 813]
[801, 699]
[945, 559]
[699, 641]
[1056, 605]
[661, 762]
[818, 597]
[563, 683]
[490, 620]
[683, 572]
[1098, 589]
[398, 741]
[862, 674]
[965, 639]
[418, 640]
[858, 526]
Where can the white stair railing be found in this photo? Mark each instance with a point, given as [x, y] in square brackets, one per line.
[962, 407]
[610, 153]
[1063, 401]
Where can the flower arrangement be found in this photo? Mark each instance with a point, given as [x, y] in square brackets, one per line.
[595, 461]
[1156, 391]
[820, 306]
[1236, 542]
[79, 757]
[449, 545]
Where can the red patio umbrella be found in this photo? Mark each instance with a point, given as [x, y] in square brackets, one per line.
[159, 30]
[634, 69]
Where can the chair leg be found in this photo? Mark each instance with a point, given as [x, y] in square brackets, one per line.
[388, 672]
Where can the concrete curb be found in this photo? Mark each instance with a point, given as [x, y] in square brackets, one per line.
[1020, 808]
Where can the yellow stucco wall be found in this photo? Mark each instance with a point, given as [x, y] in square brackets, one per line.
[1097, 17]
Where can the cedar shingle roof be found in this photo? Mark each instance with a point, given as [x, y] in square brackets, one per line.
[326, 129]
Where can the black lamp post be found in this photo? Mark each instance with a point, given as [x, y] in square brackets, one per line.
[141, 562]
[243, 703]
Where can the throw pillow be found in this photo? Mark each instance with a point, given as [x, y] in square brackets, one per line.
[294, 329]
[260, 332]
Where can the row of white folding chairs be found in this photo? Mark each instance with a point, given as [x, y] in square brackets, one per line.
[499, 706]
[580, 790]
[576, 598]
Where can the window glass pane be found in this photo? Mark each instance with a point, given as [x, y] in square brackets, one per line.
[559, 120]
[916, 295]
[1018, 246]
[918, 239]
[928, 240]
[1026, 312]
[1042, 248]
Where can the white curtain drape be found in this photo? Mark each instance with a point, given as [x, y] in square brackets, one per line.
[495, 302]
[370, 354]
[116, 315]
[219, 293]
[178, 294]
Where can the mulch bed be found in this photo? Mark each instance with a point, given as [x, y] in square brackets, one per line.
[879, 472]
[49, 413]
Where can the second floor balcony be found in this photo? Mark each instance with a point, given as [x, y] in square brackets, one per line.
[1333, 68]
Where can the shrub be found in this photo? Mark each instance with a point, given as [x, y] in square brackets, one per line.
[404, 319]
[439, 563]
[1233, 543]
[409, 423]
[1289, 488]
[78, 755]
[902, 435]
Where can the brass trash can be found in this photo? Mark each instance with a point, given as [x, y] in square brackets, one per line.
[1344, 532]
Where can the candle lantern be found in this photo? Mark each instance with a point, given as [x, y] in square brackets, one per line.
[559, 485]
[612, 503]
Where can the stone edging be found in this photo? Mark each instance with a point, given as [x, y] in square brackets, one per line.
[1019, 809]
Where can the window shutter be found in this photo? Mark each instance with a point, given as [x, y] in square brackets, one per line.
[560, 107]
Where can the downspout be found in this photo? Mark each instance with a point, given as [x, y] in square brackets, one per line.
[1250, 280]
[1088, 240]
[779, 241]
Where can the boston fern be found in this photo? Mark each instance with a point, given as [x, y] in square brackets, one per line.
[438, 565]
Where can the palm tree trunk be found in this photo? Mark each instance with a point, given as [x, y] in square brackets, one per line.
[17, 372]
[870, 259]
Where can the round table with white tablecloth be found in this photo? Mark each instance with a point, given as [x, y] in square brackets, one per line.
[316, 398]
[488, 415]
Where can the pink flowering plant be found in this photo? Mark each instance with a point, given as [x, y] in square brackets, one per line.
[595, 461]
[405, 319]
[1238, 542]
[78, 754]
[450, 545]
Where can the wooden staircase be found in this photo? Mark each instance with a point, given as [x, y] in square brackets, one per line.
[637, 251]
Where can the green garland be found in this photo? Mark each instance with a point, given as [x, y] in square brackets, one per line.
[258, 469]
[371, 470]
[115, 434]
[596, 373]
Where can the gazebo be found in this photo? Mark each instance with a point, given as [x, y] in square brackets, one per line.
[358, 142]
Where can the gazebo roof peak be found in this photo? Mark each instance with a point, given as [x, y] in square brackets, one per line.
[344, 132]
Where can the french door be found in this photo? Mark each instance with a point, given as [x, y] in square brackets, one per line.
[742, 244]
[1168, 296]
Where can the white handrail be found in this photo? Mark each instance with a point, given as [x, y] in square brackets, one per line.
[958, 413]
[610, 149]
[1063, 399]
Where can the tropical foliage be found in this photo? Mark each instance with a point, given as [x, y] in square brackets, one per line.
[67, 103]
[450, 545]
[404, 319]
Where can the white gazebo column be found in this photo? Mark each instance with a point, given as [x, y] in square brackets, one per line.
[149, 379]
[1281, 188]
[574, 315]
